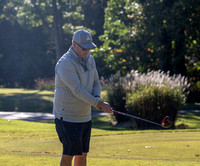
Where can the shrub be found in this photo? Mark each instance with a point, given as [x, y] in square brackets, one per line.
[116, 96]
[151, 96]
[45, 84]
[154, 103]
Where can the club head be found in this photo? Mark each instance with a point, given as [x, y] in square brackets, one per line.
[167, 122]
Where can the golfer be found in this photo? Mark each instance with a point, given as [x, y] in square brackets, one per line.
[77, 88]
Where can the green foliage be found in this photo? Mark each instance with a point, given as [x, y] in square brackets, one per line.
[152, 35]
[35, 33]
[152, 96]
[154, 103]
[140, 35]
[117, 98]
[122, 21]
[93, 11]
[25, 55]
[194, 77]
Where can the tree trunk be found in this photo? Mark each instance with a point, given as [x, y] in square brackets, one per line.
[58, 31]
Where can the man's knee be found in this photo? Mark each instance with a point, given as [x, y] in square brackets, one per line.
[84, 155]
[80, 160]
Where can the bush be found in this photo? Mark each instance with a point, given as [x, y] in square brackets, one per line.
[154, 103]
[45, 84]
[116, 96]
[117, 100]
[152, 96]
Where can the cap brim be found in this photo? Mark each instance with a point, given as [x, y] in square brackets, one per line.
[88, 45]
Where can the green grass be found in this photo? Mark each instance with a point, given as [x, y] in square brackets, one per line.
[41, 101]
[36, 144]
[25, 143]
[191, 106]
[189, 119]
[26, 100]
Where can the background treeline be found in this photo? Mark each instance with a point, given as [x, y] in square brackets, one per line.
[34, 34]
[131, 35]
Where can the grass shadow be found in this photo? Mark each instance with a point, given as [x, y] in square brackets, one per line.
[191, 106]
[190, 116]
[32, 102]
[190, 119]
[103, 122]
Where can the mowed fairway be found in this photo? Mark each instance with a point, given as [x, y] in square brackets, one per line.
[164, 148]
[35, 144]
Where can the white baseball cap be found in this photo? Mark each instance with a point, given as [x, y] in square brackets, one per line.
[83, 38]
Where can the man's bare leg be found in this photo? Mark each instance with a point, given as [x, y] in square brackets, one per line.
[80, 160]
[66, 160]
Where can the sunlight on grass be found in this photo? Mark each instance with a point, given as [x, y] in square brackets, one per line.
[190, 119]
[137, 162]
[29, 100]
[17, 90]
[36, 143]
[25, 143]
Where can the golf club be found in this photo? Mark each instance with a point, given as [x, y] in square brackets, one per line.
[165, 123]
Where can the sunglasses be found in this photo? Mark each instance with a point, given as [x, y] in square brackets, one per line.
[84, 49]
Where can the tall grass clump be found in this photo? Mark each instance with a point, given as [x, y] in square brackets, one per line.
[151, 95]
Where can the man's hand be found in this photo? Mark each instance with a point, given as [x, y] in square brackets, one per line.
[104, 107]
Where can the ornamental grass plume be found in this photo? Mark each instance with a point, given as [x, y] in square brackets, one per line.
[149, 95]
[135, 80]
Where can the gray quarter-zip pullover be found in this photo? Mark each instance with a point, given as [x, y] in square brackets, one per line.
[76, 85]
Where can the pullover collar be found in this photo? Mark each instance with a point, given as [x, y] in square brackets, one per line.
[83, 62]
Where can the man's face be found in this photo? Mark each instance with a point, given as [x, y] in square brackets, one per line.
[81, 52]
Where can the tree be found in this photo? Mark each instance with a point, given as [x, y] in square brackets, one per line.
[174, 27]
[93, 11]
[121, 48]
[56, 17]
[164, 22]
[23, 51]
[150, 34]
[34, 31]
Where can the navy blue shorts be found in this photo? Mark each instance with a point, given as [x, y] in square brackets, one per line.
[75, 137]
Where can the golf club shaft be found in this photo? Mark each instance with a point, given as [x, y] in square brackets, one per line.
[122, 113]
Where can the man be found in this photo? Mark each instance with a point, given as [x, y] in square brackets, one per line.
[77, 88]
